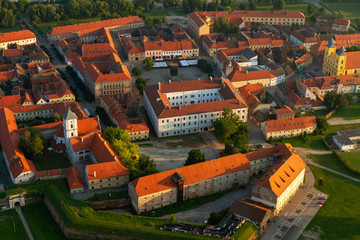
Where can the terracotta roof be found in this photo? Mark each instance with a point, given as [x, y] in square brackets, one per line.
[73, 178]
[296, 99]
[16, 36]
[194, 173]
[212, 42]
[286, 124]
[197, 19]
[282, 173]
[11, 53]
[85, 126]
[239, 76]
[352, 60]
[343, 22]
[21, 165]
[272, 14]
[7, 75]
[250, 210]
[95, 25]
[97, 49]
[10, 101]
[304, 58]
[105, 170]
[284, 110]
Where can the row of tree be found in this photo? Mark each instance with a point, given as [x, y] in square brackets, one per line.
[336, 101]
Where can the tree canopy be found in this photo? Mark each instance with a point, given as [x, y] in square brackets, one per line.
[322, 125]
[31, 143]
[194, 156]
[148, 64]
[333, 100]
[222, 26]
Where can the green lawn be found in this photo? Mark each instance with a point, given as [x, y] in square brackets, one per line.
[245, 231]
[78, 215]
[11, 226]
[288, 7]
[352, 111]
[339, 218]
[351, 160]
[319, 113]
[11, 29]
[351, 10]
[158, 13]
[44, 27]
[333, 162]
[109, 196]
[41, 223]
[52, 161]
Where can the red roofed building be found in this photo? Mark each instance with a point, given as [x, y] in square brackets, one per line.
[23, 37]
[190, 106]
[304, 37]
[197, 180]
[213, 42]
[116, 24]
[123, 110]
[240, 77]
[284, 113]
[284, 128]
[281, 182]
[74, 180]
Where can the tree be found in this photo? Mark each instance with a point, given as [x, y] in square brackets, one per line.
[311, 9]
[322, 125]
[194, 156]
[238, 143]
[270, 139]
[146, 165]
[32, 144]
[330, 100]
[140, 85]
[295, 26]
[341, 101]
[322, 11]
[278, 4]
[7, 18]
[113, 133]
[242, 6]
[252, 5]
[227, 125]
[27, 82]
[136, 71]
[205, 66]
[148, 64]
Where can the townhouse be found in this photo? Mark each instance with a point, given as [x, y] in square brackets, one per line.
[177, 108]
[213, 42]
[283, 128]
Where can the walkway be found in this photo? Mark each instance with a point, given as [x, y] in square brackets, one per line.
[340, 121]
[23, 220]
[333, 171]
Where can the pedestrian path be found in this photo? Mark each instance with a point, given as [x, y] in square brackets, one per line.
[333, 171]
[23, 220]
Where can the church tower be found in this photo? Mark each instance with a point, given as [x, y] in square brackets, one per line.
[70, 125]
[329, 55]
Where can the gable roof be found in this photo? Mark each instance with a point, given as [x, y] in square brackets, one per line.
[105, 170]
[16, 36]
[287, 125]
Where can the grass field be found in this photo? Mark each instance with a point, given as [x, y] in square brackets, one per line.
[41, 223]
[338, 218]
[11, 29]
[351, 10]
[351, 160]
[352, 111]
[288, 7]
[44, 27]
[245, 231]
[333, 162]
[109, 196]
[11, 226]
[52, 161]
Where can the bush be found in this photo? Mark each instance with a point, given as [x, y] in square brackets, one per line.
[140, 85]
[205, 66]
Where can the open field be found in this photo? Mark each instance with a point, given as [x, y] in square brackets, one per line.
[52, 161]
[351, 160]
[245, 231]
[351, 10]
[333, 162]
[41, 223]
[338, 218]
[78, 215]
[44, 27]
[11, 226]
[352, 111]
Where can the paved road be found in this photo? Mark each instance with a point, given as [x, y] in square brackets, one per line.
[23, 220]
[339, 121]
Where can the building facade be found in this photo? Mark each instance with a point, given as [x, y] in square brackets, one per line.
[24, 37]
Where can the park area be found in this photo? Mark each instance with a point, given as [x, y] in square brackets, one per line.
[52, 160]
[350, 9]
[245, 232]
[352, 111]
[337, 219]
[351, 160]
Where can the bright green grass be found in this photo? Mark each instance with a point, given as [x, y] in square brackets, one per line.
[44, 27]
[41, 223]
[351, 160]
[78, 215]
[52, 161]
[245, 231]
[106, 196]
[351, 10]
[288, 7]
[352, 111]
[11, 228]
[333, 162]
[339, 218]
[11, 29]
[314, 142]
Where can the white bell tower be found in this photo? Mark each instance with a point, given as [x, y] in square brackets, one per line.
[70, 125]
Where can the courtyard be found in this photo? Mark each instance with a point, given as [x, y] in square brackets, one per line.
[52, 160]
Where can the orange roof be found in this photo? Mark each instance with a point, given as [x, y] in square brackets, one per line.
[194, 173]
[97, 49]
[284, 110]
[10, 101]
[286, 124]
[282, 173]
[343, 22]
[11, 53]
[352, 60]
[16, 36]
[21, 165]
[73, 178]
[239, 76]
[266, 14]
[105, 170]
[8, 75]
[85, 126]
[197, 19]
[95, 25]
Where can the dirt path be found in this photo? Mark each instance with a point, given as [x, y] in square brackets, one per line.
[339, 121]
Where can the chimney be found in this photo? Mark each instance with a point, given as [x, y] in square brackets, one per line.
[82, 140]
[104, 141]
[222, 80]
[114, 156]
[211, 78]
[159, 86]
[94, 173]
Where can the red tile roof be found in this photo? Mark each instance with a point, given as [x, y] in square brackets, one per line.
[266, 14]
[97, 49]
[343, 22]
[284, 110]
[105, 170]
[73, 178]
[352, 60]
[239, 76]
[286, 124]
[194, 173]
[16, 36]
[95, 25]
[7, 75]
[10, 101]
[11, 53]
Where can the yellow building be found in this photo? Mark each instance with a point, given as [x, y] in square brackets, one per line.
[339, 62]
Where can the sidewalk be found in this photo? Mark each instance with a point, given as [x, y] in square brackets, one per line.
[23, 220]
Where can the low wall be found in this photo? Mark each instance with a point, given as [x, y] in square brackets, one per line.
[116, 203]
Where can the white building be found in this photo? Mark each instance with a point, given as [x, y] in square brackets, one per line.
[24, 37]
[191, 106]
[347, 139]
